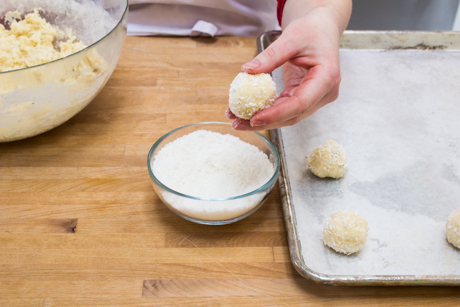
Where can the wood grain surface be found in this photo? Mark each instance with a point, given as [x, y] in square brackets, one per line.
[80, 224]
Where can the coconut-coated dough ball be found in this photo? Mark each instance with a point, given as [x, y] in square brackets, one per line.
[250, 94]
[345, 232]
[328, 160]
[453, 228]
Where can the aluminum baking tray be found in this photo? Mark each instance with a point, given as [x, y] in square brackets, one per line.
[398, 118]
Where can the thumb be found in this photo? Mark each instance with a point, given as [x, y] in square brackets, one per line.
[273, 57]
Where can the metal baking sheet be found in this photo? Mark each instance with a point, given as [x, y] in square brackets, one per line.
[398, 118]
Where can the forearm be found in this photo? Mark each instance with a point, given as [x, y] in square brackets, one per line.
[338, 10]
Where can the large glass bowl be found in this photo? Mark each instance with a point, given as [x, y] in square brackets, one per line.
[38, 98]
[200, 210]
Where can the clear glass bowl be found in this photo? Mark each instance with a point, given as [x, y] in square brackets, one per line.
[39, 98]
[240, 206]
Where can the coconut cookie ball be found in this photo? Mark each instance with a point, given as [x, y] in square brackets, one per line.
[250, 94]
[328, 160]
[345, 232]
[453, 228]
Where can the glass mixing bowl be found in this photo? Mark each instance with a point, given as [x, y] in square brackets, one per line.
[39, 98]
[202, 210]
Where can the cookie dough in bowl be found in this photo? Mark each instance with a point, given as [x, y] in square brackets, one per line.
[55, 57]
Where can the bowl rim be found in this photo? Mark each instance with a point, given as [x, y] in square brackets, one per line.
[263, 187]
[81, 50]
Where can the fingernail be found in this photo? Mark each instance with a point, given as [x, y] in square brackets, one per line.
[227, 114]
[291, 92]
[257, 123]
[250, 65]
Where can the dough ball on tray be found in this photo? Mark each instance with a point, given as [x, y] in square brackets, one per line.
[453, 228]
[328, 160]
[345, 232]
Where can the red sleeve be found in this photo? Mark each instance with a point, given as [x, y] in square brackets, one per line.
[279, 10]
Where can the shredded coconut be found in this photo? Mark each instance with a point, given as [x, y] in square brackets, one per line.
[208, 164]
[328, 160]
[250, 94]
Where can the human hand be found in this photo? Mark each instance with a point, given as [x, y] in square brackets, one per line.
[309, 50]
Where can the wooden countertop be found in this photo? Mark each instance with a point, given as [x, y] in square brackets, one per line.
[80, 224]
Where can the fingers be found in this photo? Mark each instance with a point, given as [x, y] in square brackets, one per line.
[293, 76]
[245, 125]
[229, 114]
[288, 91]
[272, 57]
[319, 82]
[241, 124]
[318, 88]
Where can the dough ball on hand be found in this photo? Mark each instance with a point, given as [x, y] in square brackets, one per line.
[328, 160]
[345, 232]
[453, 228]
[250, 94]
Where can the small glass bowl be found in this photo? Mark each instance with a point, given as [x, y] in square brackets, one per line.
[242, 205]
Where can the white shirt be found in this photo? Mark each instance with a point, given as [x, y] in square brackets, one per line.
[201, 17]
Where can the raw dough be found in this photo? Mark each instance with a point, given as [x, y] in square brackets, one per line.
[345, 232]
[250, 94]
[33, 41]
[453, 228]
[37, 99]
[328, 160]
